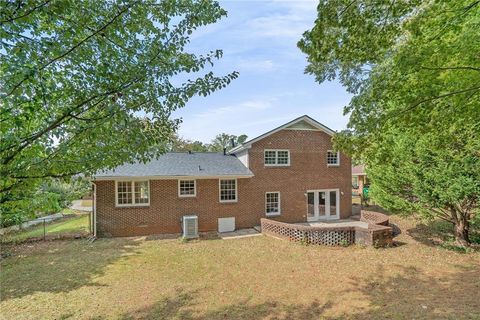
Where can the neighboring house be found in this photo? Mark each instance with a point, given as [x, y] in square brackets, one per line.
[359, 179]
[288, 174]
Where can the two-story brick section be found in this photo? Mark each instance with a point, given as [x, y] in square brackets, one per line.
[289, 174]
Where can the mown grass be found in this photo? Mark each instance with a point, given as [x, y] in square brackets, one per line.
[74, 224]
[249, 278]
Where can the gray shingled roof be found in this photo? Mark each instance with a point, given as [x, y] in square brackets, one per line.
[182, 164]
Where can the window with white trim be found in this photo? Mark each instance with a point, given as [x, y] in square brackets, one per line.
[333, 158]
[132, 193]
[272, 203]
[228, 190]
[277, 157]
[187, 188]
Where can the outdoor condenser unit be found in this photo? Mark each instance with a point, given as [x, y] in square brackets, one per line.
[190, 227]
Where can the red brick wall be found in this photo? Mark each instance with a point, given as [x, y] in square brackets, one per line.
[307, 171]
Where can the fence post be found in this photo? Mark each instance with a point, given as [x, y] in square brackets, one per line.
[44, 233]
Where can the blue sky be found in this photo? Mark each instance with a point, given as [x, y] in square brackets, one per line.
[258, 39]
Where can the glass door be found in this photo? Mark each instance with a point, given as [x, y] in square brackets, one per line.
[322, 204]
[310, 206]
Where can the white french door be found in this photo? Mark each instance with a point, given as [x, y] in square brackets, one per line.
[323, 204]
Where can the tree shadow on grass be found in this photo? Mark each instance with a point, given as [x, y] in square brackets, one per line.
[436, 233]
[182, 306]
[414, 294]
[410, 293]
[59, 266]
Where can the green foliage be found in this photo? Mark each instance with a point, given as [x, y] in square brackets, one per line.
[224, 140]
[88, 85]
[221, 141]
[179, 144]
[66, 191]
[50, 196]
[414, 119]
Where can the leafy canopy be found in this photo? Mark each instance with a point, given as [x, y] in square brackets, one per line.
[221, 141]
[413, 67]
[88, 85]
[225, 140]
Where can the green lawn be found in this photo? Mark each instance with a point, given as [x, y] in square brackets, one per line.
[74, 224]
[249, 278]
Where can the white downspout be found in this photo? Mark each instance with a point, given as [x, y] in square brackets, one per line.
[94, 209]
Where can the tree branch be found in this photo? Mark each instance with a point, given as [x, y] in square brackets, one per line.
[346, 8]
[430, 99]
[26, 13]
[74, 47]
[452, 68]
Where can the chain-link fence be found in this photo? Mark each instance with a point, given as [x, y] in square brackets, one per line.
[75, 224]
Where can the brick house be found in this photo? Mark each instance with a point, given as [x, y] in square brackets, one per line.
[288, 174]
[359, 179]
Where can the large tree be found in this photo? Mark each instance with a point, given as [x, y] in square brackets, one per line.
[414, 70]
[224, 140]
[179, 144]
[87, 85]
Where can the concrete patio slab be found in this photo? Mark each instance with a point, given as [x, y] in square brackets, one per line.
[241, 233]
[336, 223]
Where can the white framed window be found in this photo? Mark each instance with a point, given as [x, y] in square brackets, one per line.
[272, 203]
[277, 158]
[333, 158]
[132, 193]
[227, 190]
[187, 188]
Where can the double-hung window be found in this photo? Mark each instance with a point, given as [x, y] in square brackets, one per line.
[272, 203]
[187, 188]
[277, 158]
[228, 190]
[132, 193]
[333, 158]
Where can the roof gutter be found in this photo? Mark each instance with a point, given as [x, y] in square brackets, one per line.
[109, 178]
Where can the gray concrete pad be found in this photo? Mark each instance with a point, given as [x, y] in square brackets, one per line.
[241, 233]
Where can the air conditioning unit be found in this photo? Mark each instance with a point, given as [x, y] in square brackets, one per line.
[190, 227]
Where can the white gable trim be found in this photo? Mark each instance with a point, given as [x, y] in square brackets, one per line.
[305, 118]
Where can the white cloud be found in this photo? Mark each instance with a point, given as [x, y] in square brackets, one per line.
[256, 65]
[231, 119]
[246, 106]
[294, 18]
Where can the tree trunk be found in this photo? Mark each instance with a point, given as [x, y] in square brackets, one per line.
[461, 233]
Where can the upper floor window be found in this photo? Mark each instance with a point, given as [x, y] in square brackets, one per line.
[272, 203]
[333, 158]
[228, 190]
[132, 193]
[277, 157]
[187, 188]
